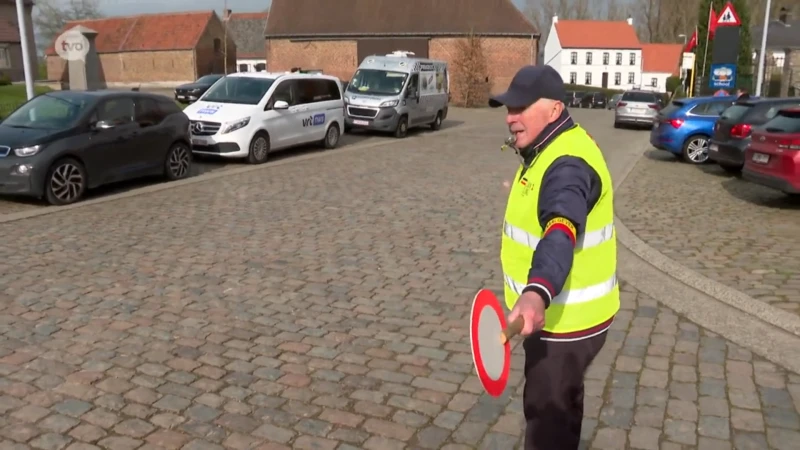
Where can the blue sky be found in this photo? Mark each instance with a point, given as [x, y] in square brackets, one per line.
[125, 7]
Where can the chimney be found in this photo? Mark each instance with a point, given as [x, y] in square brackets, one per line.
[555, 19]
[784, 15]
[630, 20]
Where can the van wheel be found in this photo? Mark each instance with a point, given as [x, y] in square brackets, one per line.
[331, 137]
[259, 149]
[437, 122]
[402, 128]
[65, 182]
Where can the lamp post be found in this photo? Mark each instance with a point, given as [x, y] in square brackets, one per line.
[762, 53]
[26, 48]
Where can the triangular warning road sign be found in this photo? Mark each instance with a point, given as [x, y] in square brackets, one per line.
[728, 17]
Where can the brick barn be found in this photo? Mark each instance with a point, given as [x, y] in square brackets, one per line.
[174, 47]
[339, 35]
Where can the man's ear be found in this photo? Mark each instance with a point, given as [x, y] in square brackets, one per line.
[558, 108]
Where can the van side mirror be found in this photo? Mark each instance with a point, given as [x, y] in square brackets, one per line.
[280, 104]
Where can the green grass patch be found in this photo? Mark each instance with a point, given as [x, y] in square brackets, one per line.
[13, 95]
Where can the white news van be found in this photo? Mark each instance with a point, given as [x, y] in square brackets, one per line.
[249, 114]
[396, 92]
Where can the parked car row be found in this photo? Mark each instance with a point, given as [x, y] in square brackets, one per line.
[581, 99]
[58, 145]
[757, 136]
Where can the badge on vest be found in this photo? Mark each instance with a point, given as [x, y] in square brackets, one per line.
[526, 185]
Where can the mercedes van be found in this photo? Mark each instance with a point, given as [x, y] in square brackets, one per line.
[250, 114]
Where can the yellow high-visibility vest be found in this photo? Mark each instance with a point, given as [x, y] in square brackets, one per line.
[590, 295]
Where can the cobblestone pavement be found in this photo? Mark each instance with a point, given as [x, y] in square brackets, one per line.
[324, 305]
[740, 234]
[10, 205]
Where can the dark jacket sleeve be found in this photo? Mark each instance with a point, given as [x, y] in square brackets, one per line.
[570, 189]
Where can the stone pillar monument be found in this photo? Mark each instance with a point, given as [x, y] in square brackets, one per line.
[84, 73]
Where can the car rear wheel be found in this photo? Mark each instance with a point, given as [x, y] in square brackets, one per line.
[65, 182]
[331, 137]
[178, 163]
[259, 149]
[695, 150]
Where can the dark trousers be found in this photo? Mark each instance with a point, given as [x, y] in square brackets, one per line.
[553, 396]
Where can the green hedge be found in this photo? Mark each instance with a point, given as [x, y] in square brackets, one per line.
[580, 88]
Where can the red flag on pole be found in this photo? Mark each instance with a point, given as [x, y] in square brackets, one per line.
[691, 44]
[712, 22]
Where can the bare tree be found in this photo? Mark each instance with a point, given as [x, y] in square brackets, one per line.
[50, 17]
[470, 74]
[663, 20]
[616, 10]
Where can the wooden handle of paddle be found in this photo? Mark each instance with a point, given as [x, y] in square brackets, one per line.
[513, 329]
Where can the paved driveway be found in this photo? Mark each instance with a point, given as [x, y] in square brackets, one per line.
[740, 234]
[323, 305]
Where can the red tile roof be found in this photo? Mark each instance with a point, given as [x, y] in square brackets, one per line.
[146, 32]
[597, 34]
[662, 58]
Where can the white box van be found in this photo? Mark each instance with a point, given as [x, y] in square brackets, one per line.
[250, 114]
[396, 92]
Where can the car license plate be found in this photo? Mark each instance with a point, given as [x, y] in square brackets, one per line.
[361, 122]
[181, 97]
[760, 158]
[201, 142]
[713, 148]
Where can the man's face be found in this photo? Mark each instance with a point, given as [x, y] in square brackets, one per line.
[526, 124]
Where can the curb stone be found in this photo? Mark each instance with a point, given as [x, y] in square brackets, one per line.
[775, 335]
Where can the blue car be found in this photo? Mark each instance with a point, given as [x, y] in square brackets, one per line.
[685, 126]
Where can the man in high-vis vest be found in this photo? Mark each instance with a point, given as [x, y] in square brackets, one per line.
[558, 254]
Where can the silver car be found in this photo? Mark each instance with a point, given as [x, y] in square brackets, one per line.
[637, 108]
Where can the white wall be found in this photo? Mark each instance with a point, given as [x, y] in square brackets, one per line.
[250, 63]
[597, 68]
[661, 81]
[552, 50]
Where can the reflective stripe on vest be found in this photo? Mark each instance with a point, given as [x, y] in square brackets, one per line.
[574, 296]
[586, 240]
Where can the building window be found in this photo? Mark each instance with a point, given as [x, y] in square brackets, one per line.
[631, 77]
[654, 82]
[573, 58]
[588, 78]
[573, 77]
[619, 59]
[261, 67]
[5, 58]
[217, 45]
[632, 58]
[617, 79]
[605, 58]
[588, 58]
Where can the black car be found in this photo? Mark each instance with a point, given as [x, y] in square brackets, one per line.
[594, 100]
[187, 93]
[59, 144]
[573, 98]
[732, 130]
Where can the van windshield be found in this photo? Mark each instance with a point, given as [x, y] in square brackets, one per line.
[239, 90]
[377, 82]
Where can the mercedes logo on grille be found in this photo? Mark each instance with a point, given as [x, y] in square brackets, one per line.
[762, 139]
[198, 127]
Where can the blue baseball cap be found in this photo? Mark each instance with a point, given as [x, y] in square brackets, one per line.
[529, 85]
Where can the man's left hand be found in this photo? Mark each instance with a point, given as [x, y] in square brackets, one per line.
[531, 307]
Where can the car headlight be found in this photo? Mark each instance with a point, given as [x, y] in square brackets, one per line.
[233, 126]
[389, 103]
[27, 151]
